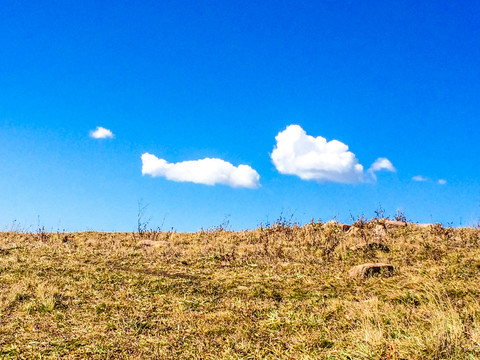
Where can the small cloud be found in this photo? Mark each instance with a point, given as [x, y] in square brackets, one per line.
[101, 133]
[204, 171]
[442, 181]
[381, 164]
[313, 158]
[419, 178]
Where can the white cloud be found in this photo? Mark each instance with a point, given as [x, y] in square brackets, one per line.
[101, 133]
[204, 171]
[382, 164]
[442, 181]
[419, 178]
[313, 158]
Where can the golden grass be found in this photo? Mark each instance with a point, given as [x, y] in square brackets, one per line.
[280, 292]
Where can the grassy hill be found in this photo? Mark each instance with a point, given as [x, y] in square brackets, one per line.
[278, 292]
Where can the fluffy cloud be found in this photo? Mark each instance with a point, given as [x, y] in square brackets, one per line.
[313, 158]
[382, 164]
[204, 171]
[419, 178]
[101, 133]
[442, 181]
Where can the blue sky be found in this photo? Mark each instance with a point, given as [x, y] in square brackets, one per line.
[192, 80]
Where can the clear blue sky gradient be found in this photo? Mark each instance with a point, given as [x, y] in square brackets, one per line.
[186, 80]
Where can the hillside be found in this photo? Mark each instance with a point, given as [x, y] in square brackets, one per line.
[277, 292]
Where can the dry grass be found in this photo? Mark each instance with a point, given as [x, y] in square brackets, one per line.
[280, 292]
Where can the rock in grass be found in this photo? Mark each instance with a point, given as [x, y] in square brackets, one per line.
[371, 269]
[392, 224]
[380, 231]
[423, 226]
